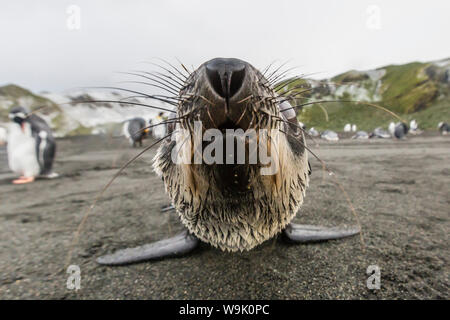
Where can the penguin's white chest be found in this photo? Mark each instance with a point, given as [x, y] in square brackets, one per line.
[22, 157]
[159, 131]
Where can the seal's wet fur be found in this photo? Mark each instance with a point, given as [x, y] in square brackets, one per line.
[243, 211]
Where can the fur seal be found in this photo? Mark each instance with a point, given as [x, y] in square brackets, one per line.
[380, 133]
[329, 135]
[233, 207]
[361, 135]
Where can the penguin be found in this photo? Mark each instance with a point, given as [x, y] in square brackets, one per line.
[313, 132]
[391, 128]
[302, 125]
[348, 127]
[444, 128]
[31, 146]
[398, 130]
[401, 129]
[414, 127]
[159, 131]
[135, 130]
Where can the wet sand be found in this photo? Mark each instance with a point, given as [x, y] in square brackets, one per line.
[400, 190]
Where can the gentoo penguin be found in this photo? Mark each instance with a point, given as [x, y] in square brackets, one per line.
[444, 128]
[399, 130]
[348, 127]
[135, 130]
[31, 146]
[313, 132]
[302, 125]
[414, 127]
[329, 135]
[391, 128]
[159, 131]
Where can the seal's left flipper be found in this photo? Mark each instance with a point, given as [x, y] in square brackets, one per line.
[178, 245]
[167, 208]
[303, 233]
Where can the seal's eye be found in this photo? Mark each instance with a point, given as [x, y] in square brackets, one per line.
[226, 76]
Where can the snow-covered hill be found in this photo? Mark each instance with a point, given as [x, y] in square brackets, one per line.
[68, 116]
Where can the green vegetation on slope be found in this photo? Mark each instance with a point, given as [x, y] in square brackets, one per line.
[368, 118]
[407, 88]
[415, 90]
[12, 95]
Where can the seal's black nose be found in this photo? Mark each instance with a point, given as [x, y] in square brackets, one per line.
[226, 76]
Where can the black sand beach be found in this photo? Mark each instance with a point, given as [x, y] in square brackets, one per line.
[400, 190]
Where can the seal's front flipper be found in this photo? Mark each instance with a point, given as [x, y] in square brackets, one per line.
[178, 245]
[303, 233]
[167, 208]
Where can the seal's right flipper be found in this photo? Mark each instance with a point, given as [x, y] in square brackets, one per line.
[303, 233]
[178, 245]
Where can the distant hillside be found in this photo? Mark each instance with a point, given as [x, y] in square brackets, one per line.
[415, 90]
[67, 116]
[12, 95]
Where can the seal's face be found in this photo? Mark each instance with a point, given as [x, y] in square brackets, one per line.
[233, 205]
[229, 95]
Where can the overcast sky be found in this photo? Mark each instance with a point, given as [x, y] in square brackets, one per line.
[44, 46]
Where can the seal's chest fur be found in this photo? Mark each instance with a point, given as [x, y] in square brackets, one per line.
[240, 220]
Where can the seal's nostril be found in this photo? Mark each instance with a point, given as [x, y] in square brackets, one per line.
[215, 81]
[237, 79]
[226, 76]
